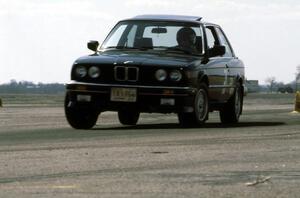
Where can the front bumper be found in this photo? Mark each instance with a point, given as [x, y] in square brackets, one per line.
[161, 99]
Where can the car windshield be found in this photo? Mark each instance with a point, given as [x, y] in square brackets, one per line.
[170, 37]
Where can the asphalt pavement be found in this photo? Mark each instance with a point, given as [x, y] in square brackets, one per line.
[41, 156]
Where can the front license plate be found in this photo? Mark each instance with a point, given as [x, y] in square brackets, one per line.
[84, 98]
[123, 95]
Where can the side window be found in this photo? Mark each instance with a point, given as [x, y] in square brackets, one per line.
[211, 39]
[223, 41]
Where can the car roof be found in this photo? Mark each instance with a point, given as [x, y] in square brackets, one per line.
[167, 18]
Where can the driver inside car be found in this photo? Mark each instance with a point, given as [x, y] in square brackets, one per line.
[186, 39]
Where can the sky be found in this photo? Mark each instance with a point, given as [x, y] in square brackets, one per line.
[39, 40]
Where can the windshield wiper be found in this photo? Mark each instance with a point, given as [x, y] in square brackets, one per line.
[176, 49]
[130, 48]
[167, 49]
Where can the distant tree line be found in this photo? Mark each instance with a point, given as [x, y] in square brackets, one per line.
[274, 86]
[32, 88]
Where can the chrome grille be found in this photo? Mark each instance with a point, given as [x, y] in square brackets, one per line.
[130, 74]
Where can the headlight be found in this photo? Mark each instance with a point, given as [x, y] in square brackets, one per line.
[94, 72]
[160, 75]
[80, 71]
[175, 75]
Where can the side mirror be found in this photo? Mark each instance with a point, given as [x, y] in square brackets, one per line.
[217, 50]
[93, 45]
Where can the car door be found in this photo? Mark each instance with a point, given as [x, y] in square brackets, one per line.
[234, 66]
[217, 68]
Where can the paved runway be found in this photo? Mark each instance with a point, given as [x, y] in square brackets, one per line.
[41, 156]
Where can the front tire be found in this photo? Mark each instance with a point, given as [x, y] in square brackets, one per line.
[80, 118]
[232, 110]
[201, 109]
[127, 117]
[186, 119]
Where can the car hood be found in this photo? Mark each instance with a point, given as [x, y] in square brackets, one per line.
[140, 59]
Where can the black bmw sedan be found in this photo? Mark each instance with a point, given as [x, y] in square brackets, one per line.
[157, 63]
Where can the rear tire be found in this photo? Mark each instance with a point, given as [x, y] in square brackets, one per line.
[232, 110]
[80, 118]
[127, 117]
